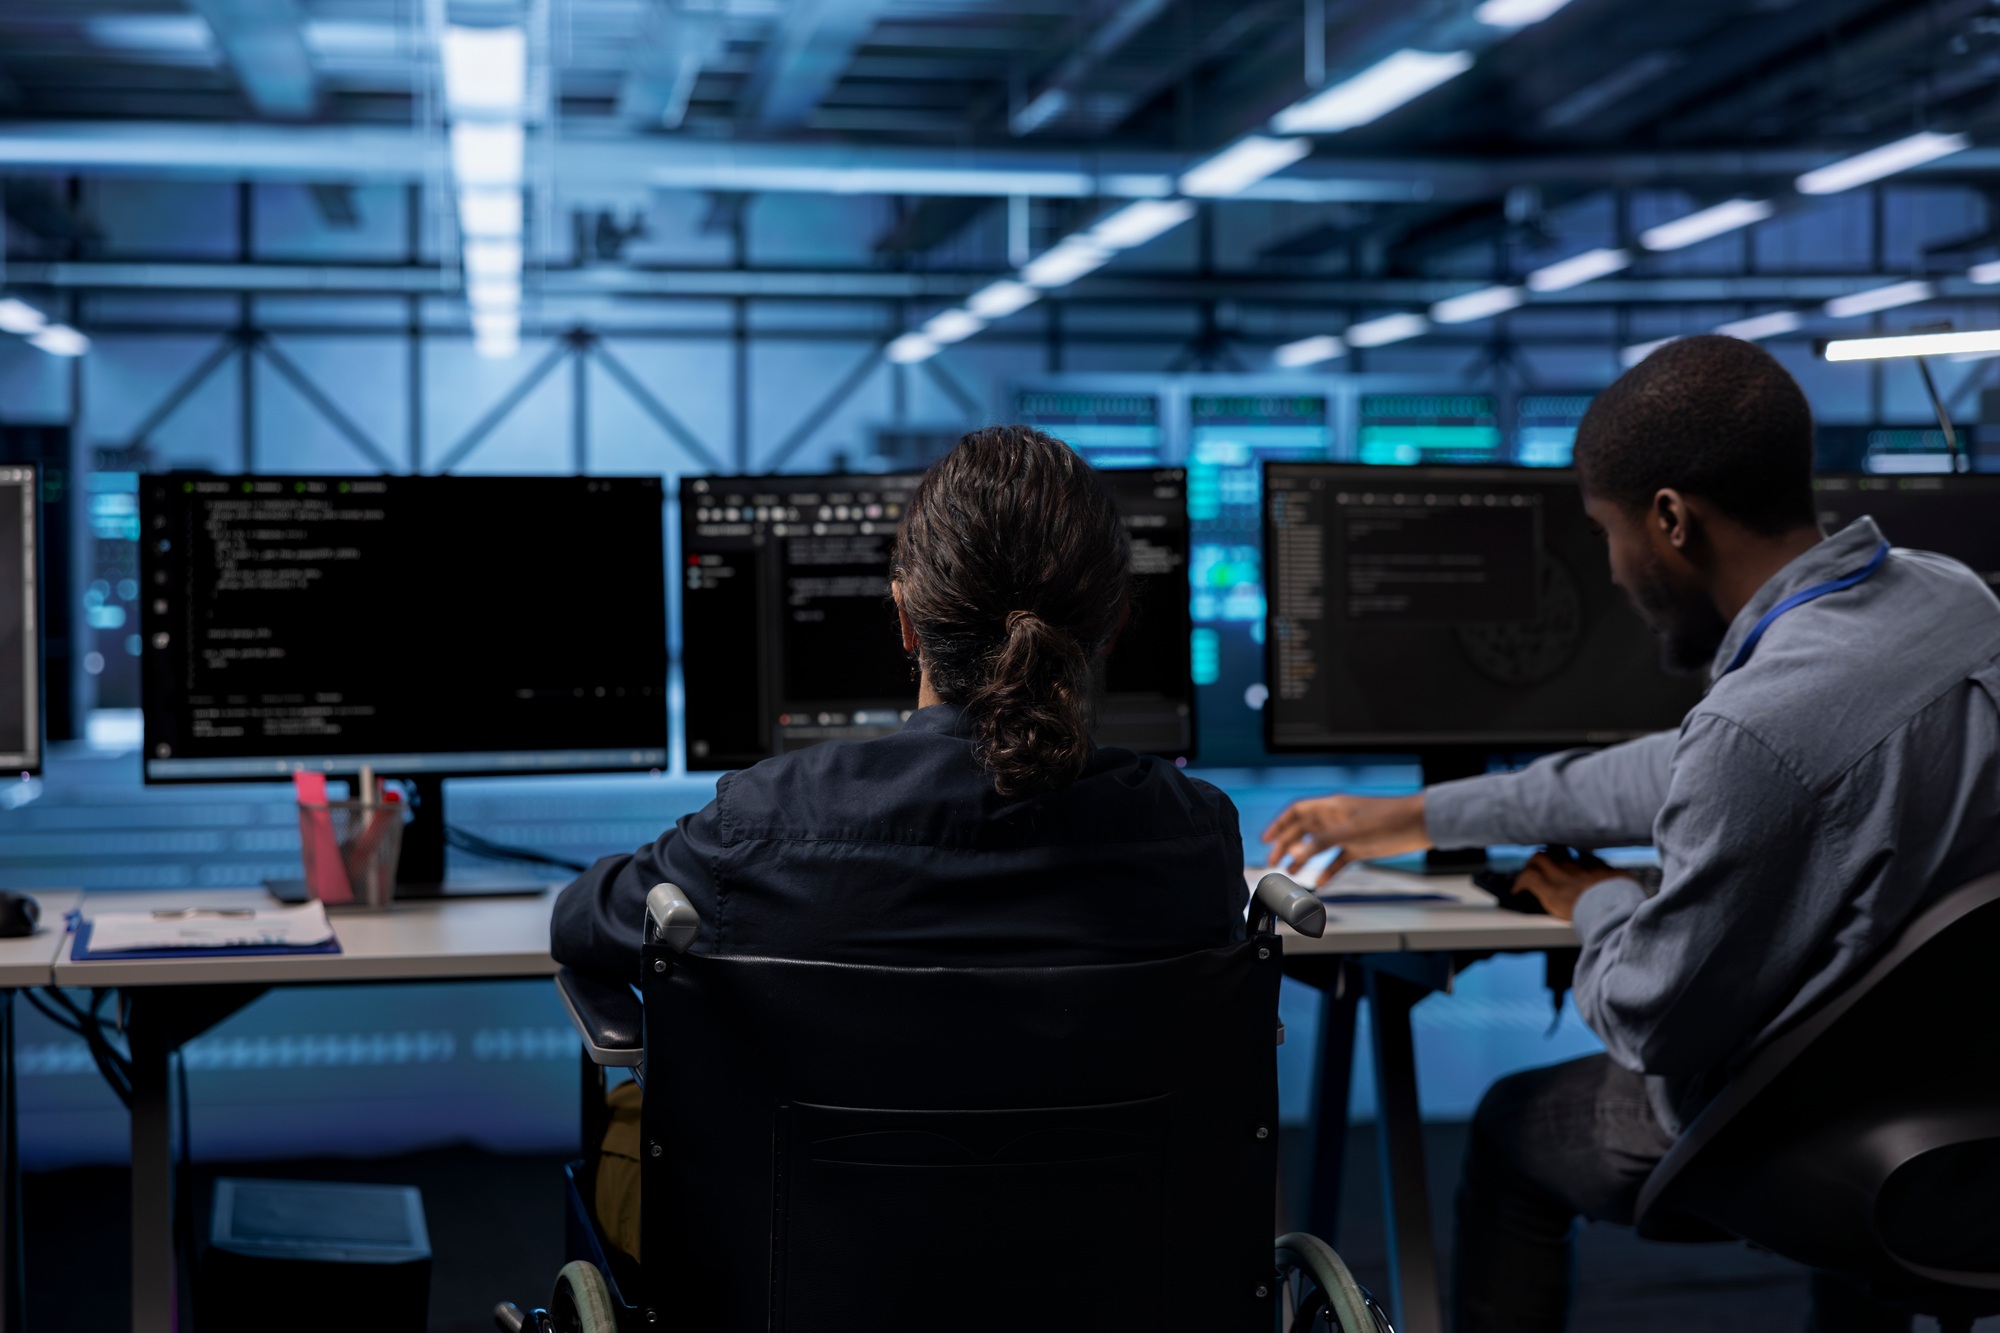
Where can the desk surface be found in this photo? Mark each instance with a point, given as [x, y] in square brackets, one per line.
[26, 961]
[1432, 927]
[463, 939]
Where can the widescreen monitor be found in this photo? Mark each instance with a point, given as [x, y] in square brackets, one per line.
[423, 626]
[791, 639]
[20, 623]
[1449, 608]
[1952, 515]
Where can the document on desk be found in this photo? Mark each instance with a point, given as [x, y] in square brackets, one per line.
[301, 927]
[1360, 884]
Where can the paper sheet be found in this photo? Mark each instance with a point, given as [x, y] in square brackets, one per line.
[299, 927]
[1365, 881]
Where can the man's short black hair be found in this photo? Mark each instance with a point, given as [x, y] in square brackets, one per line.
[1710, 416]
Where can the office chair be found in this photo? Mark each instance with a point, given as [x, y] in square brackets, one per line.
[833, 1148]
[1865, 1141]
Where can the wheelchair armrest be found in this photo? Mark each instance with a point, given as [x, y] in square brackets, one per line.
[671, 919]
[1299, 908]
[607, 1015]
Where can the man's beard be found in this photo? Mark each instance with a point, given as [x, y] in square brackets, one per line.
[1689, 627]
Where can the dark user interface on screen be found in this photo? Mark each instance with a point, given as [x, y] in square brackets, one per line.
[791, 639]
[1951, 515]
[20, 642]
[418, 624]
[1447, 606]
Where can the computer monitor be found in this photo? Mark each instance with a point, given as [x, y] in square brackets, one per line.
[1412, 429]
[422, 626]
[1449, 609]
[790, 638]
[20, 623]
[1113, 429]
[1952, 515]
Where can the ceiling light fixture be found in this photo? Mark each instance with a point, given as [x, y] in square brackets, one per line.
[60, 340]
[485, 71]
[490, 213]
[1387, 329]
[1241, 165]
[1578, 269]
[17, 316]
[1065, 262]
[1309, 351]
[910, 349]
[1482, 304]
[1879, 298]
[1773, 325]
[487, 154]
[1373, 93]
[1000, 299]
[952, 326]
[1873, 165]
[1913, 344]
[492, 259]
[1728, 216]
[1516, 13]
[1137, 223]
[1985, 274]
[494, 293]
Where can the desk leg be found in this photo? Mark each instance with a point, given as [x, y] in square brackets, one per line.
[1332, 1094]
[155, 1299]
[11, 1239]
[1413, 1268]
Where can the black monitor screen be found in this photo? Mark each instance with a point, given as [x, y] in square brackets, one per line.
[1952, 515]
[791, 638]
[20, 633]
[421, 625]
[1416, 607]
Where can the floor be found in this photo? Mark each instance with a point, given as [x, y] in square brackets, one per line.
[496, 1233]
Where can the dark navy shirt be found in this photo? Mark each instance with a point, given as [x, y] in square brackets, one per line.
[899, 852]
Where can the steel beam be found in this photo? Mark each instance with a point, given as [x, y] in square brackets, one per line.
[674, 43]
[803, 58]
[265, 43]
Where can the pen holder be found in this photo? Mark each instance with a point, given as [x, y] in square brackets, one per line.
[350, 850]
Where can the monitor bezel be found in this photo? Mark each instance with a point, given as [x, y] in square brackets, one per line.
[35, 649]
[350, 765]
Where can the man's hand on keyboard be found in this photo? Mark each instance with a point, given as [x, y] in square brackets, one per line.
[1363, 827]
[1558, 880]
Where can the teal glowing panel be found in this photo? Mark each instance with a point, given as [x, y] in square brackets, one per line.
[1109, 429]
[1411, 429]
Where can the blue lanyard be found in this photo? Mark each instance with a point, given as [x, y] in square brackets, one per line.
[1800, 598]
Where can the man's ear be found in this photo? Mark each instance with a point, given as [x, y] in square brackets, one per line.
[903, 618]
[1670, 521]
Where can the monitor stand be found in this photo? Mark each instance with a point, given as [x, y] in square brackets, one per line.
[420, 869]
[1447, 765]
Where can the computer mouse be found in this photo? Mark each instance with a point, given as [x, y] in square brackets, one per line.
[19, 915]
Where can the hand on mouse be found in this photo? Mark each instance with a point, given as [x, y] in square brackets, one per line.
[1559, 880]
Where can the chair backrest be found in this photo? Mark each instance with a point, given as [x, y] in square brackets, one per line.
[1865, 1139]
[836, 1148]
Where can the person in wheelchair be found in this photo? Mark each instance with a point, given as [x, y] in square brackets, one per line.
[990, 830]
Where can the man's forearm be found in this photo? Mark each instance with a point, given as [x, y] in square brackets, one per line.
[1584, 798]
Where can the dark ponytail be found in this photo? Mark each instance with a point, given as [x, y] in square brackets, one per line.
[1015, 573]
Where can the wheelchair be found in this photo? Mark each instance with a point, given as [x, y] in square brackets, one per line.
[835, 1148]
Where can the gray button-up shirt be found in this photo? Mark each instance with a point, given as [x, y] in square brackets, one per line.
[1816, 798]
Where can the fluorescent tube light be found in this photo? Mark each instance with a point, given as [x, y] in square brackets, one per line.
[1309, 351]
[1065, 262]
[1578, 269]
[496, 336]
[1763, 326]
[19, 317]
[60, 340]
[485, 71]
[952, 326]
[1000, 299]
[1985, 274]
[1914, 344]
[910, 349]
[1637, 352]
[1137, 223]
[494, 293]
[1876, 163]
[1516, 13]
[1879, 298]
[1709, 223]
[490, 213]
[1373, 93]
[493, 259]
[1386, 329]
[1482, 304]
[1241, 165]
[487, 154]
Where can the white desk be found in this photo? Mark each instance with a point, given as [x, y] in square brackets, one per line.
[25, 962]
[1395, 953]
[176, 999]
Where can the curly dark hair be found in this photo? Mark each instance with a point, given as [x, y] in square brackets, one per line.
[1711, 416]
[1015, 573]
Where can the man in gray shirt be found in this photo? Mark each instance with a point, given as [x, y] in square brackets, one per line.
[1842, 771]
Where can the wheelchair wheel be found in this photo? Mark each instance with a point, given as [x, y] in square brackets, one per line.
[581, 1302]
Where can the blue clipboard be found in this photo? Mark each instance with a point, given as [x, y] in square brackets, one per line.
[79, 949]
